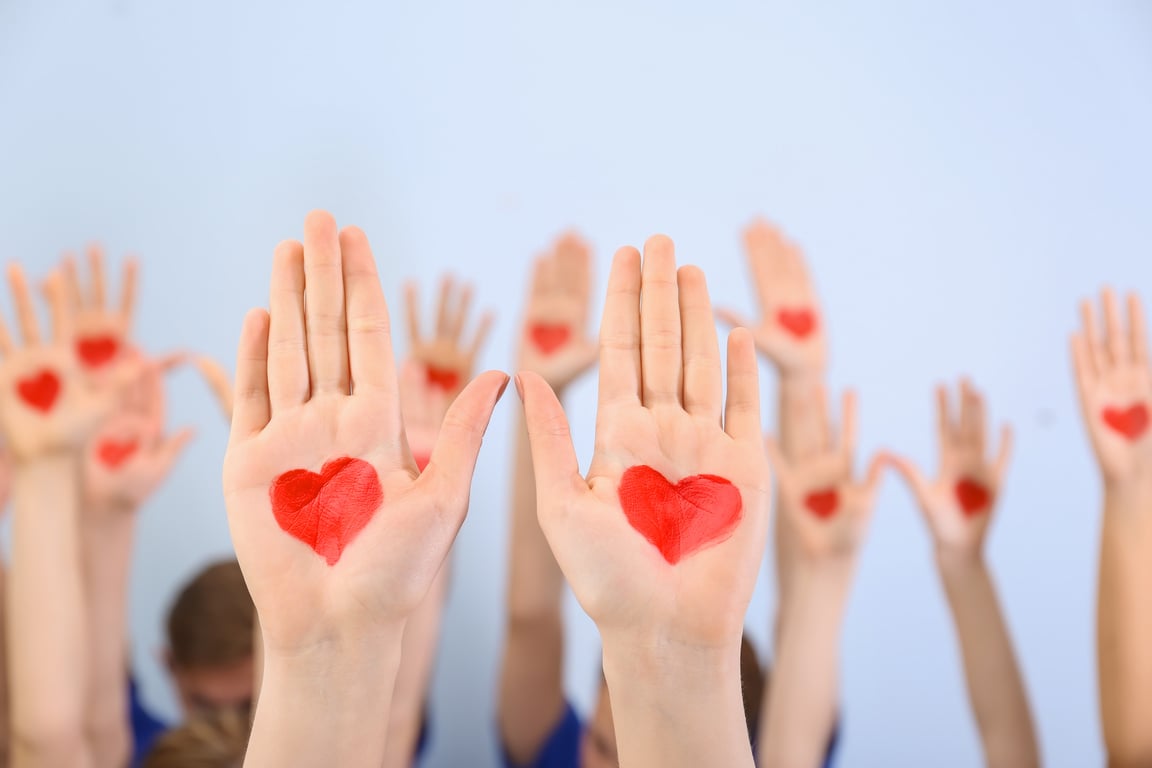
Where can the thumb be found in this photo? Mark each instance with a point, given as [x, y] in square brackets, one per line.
[553, 455]
[875, 475]
[733, 318]
[219, 381]
[909, 471]
[780, 466]
[453, 457]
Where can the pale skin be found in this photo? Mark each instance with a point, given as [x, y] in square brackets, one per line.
[996, 688]
[531, 699]
[1113, 371]
[316, 380]
[671, 633]
[445, 348]
[423, 408]
[800, 710]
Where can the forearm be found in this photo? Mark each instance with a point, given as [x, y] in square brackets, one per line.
[675, 706]
[328, 706]
[106, 542]
[5, 710]
[995, 686]
[535, 581]
[47, 630]
[1124, 623]
[801, 705]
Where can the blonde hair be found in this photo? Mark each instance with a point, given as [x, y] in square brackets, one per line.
[216, 740]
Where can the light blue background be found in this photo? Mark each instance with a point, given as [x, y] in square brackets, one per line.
[960, 174]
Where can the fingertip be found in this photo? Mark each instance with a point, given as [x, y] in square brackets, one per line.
[319, 222]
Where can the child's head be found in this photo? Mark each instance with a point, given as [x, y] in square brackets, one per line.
[214, 740]
[210, 632]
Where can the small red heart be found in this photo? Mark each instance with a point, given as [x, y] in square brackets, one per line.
[327, 511]
[683, 518]
[444, 378]
[1131, 422]
[95, 351]
[973, 497]
[549, 337]
[422, 460]
[113, 453]
[40, 390]
[799, 322]
[824, 503]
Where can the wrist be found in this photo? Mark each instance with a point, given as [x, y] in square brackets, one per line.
[958, 562]
[1134, 491]
[801, 379]
[667, 664]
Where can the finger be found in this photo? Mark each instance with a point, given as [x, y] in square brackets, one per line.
[459, 314]
[1115, 341]
[71, 281]
[25, 312]
[875, 475]
[620, 331]
[823, 419]
[412, 313]
[972, 416]
[252, 409]
[848, 426]
[1004, 454]
[742, 407]
[443, 306]
[733, 318]
[6, 347]
[703, 382]
[945, 430]
[660, 333]
[779, 465]
[911, 474]
[58, 308]
[170, 450]
[327, 324]
[128, 292]
[761, 261]
[1091, 336]
[553, 455]
[1082, 363]
[1137, 331]
[370, 355]
[288, 378]
[96, 296]
[482, 331]
[218, 381]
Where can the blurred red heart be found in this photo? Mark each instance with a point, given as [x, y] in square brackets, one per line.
[444, 378]
[799, 322]
[328, 510]
[824, 503]
[40, 389]
[1131, 422]
[549, 337]
[679, 519]
[973, 497]
[113, 453]
[95, 351]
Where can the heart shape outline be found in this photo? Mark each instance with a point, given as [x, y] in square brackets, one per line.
[798, 321]
[40, 390]
[446, 379]
[97, 351]
[824, 503]
[972, 496]
[113, 453]
[548, 338]
[1130, 423]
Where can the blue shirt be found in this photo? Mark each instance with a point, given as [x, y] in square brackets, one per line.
[146, 728]
[561, 750]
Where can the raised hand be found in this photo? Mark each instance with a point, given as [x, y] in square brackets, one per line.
[662, 540]
[447, 359]
[554, 339]
[423, 408]
[101, 329]
[218, 381]
[791, 330]
[1115, 384]
[958, 503]
[829, 508]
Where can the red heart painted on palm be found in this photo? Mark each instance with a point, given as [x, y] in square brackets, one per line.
[798, 322]
[113, 453]
[444, 378]
[683, 518]
[327, 511]
[1130, 422]
[973, 497]
[549, 337]
[39, 390]
[95, 351]
[824, 503]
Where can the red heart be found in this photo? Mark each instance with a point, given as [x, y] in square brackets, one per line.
[549, 337]
[444, 378]
[40, 389]
[113, 453]
[422, 460]
[327, 511]
[799, 322]
[95, 351]
[974, 498]
[824, 503]
[679, 519]
[1131, 422]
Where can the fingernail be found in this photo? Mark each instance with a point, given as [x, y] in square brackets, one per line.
[519, 388]
[503, 387]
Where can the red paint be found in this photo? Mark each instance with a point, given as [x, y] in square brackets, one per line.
[1131, 422]
[824, 503]
[444, 378]
[113, 453]
[422, 460]
[95, 351]
[328, 510]
[40, 390]
[973, 496]
[549, 337]
[679, 519]
[798, 322]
